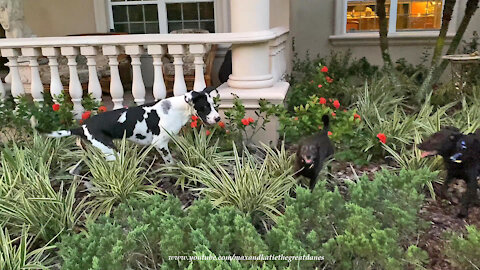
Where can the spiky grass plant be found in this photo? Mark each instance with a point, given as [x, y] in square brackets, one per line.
[28, 197]
[15, 254]
[248, 184]
[116, 181]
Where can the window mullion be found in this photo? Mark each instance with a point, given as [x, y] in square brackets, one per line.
[392, 23]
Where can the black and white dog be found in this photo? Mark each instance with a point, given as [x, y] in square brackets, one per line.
[148, 124]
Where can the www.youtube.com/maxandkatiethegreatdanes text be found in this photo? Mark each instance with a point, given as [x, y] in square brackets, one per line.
[260, 257]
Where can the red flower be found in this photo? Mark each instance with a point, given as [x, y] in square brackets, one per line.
[320, 86]
[208, 132]
[86, 115]
[193, 124]
[336, 104]
[382, 137]
[334, 114]
[102, 109]
[56, 107]
[320, 127]
[221, 124]
[245, 122]
[323, 100]
[324, 69]
[296, 118]
[357, 116]
[329, 133]
[329, 80]
[250, 120]
[194, 118]
[330, 100]
[80, 121]
[311, 81]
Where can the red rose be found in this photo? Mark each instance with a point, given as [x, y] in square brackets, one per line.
[250, 120]
[329, 80]
[56, 107]
[323, 100]
[334, 114]
[320, 86]
[86, 115]
[221, 124]
[357, 116]
[193, 124]
[382, 137]
[336, 104]
[329, 133]
[208, 132]
[245, 122]
[324, 69]
[102, 109]
[194, 118]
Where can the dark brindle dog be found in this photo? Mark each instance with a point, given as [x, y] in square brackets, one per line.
[461, 157]
[312, 152]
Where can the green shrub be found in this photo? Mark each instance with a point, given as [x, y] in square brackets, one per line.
[145, 232]
[462, 249]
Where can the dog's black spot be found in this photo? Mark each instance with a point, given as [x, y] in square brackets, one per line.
[153, 122]
[201, 105]
[164, 151]
[166, 105]
[140, 136]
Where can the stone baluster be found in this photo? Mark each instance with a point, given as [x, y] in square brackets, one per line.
[56, 87]
[198, 51]
[36, 86]
[179, 86]
[16, 87]
[94, 88]
[74, 86]
[116, 87]
[159, 89]
[138, 87]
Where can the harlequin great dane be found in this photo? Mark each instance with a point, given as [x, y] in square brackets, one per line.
[148, 124]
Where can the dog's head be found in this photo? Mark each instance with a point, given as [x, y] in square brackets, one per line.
[203, 104]
[308, 153]
[442, 143]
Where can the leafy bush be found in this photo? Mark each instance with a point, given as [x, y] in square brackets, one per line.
[145, 232]
[116, 181]
[462, 249]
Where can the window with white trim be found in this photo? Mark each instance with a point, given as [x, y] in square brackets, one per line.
[403, 15]
[161, 16]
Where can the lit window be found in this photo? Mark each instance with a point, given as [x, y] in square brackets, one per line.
[362, 15]
[138, 17]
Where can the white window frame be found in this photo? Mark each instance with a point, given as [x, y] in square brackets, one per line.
[218, 6]
[341, 23]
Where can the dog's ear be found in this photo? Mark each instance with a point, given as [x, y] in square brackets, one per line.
[209, 89]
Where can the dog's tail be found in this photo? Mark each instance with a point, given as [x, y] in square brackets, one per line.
[64, 133]
[326, 122]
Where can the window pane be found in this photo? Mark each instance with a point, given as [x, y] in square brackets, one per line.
[419, 15]
[174, 26]
[151, 12]
[206, 10]
[137, 28]
[210, 26]
[174, 12]
[190, 11]
[121, 27]
[362, 15]
[119, 13]
[152, 28]
[191, 25]
[135, 13]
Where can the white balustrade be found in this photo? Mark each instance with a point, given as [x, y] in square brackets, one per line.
[116, 87]
[94, 87]
[179, 85]
[156, 45]
[159, 89]
[16, 87]
[198, 51]
[74, 86]
[138, 87]
[56, 87]
[36, 86]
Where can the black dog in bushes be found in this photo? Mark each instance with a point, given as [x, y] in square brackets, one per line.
[312, 152]
[461, 157]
